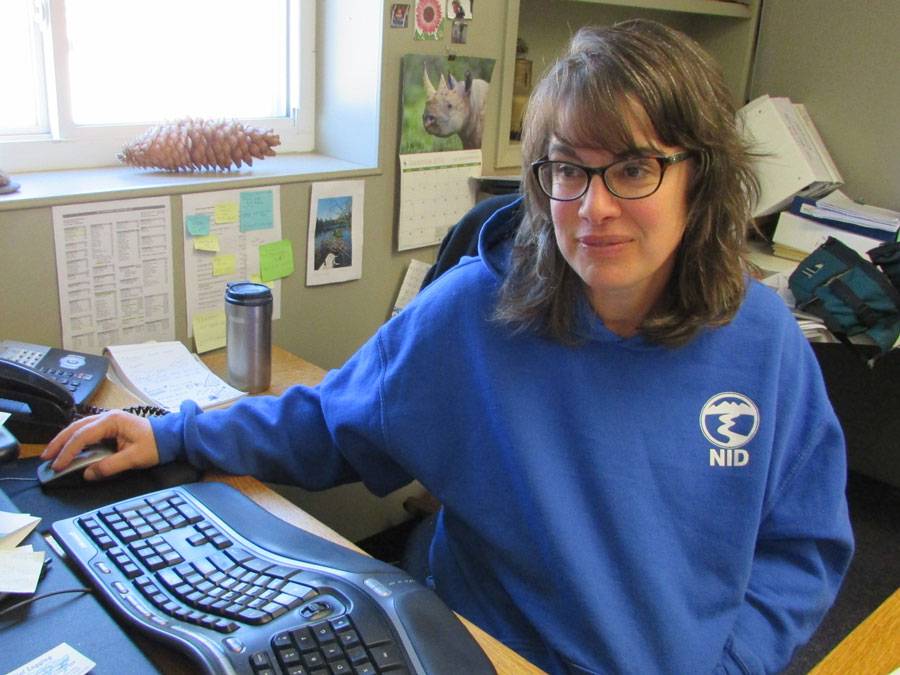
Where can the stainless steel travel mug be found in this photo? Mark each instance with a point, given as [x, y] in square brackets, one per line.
[248, 335]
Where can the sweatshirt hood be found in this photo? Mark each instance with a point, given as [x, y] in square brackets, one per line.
[496, 237]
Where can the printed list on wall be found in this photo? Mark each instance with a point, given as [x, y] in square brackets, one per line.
[114, 271]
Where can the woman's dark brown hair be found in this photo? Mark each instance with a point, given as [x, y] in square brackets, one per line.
[582, 102]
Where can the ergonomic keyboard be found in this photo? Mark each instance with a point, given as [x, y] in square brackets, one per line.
[205, 569]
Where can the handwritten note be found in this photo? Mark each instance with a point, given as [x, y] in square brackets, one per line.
[209, 330]
[20, 570]
[197, 224]
[206, 242]
[224, 264]
[257, 210]
[61, 660]
[166, 373]
[226, 212]
[276, 260]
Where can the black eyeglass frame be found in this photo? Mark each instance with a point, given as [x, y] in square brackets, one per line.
[664, 163]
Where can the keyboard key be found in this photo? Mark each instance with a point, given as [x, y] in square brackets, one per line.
[260, 660]
[304, 639]
[387, 656]
[288, 656]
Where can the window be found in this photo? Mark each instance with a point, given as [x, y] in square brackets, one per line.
[96, 73]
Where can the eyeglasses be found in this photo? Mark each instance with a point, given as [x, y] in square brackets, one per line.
[633, 178]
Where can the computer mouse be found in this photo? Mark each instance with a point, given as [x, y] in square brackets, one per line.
[73, 472]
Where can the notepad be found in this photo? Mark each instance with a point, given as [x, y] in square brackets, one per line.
[164, 374]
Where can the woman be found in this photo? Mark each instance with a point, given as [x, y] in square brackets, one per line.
[639, 467]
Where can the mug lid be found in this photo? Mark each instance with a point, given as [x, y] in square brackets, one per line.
[247, 293]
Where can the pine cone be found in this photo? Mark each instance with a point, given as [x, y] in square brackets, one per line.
[189, 144]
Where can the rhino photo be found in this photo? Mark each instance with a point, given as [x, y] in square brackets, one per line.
[456, 107]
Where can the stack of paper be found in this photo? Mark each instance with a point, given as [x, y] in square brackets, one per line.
[20, 566]
[164, 374]
[838, 210]
[795, 237]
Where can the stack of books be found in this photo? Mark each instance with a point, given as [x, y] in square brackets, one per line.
[793, 158]
[808, 223]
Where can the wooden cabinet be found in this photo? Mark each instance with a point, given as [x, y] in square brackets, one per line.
[726, 29]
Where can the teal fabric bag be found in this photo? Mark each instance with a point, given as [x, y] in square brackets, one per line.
[848, 293]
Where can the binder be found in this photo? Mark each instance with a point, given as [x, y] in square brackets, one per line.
[793, 159]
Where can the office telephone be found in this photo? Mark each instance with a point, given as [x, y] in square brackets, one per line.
[42, 387]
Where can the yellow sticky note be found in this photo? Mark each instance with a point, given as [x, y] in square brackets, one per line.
[256, 279]
[224, 264]
[227, 212]
[276, 260]
[208, 242]
[209, 330]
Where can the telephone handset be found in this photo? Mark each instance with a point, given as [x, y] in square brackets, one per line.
[41, 387]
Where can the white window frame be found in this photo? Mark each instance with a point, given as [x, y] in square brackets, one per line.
[68, 146]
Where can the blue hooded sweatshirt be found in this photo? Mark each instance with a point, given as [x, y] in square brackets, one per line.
[615, 507]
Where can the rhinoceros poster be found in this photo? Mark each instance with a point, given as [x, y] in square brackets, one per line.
[442, 127]
[444, 102]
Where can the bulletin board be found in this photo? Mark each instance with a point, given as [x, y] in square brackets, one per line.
[231, 235]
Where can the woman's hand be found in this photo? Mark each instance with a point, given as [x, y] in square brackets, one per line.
[135, 444]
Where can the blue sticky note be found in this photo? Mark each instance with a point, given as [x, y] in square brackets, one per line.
[197, 224]
[256, 210]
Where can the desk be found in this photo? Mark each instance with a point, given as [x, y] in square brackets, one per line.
[287, 370]
[872, 648]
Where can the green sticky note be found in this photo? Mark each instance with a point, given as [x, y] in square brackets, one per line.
[197, 224]
[256, 210]
[224, 264]
[276, 260]
[209, 330]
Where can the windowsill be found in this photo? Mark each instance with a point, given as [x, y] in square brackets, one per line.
[50, 188]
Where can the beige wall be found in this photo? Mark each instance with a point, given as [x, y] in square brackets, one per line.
[324, 324]
[839, 59]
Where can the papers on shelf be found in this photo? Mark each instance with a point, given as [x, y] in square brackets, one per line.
[795, 237]
[164, 374]
[838, 206]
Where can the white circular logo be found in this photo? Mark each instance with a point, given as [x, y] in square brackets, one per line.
[729, 420]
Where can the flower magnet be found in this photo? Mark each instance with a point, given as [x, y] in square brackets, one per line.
[429, 20]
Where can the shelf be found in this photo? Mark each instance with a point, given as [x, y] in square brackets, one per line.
[708, 7]
[727, 30]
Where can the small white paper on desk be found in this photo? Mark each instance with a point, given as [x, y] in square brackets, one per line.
[14, 527]
[61, 660]
[20, 570]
